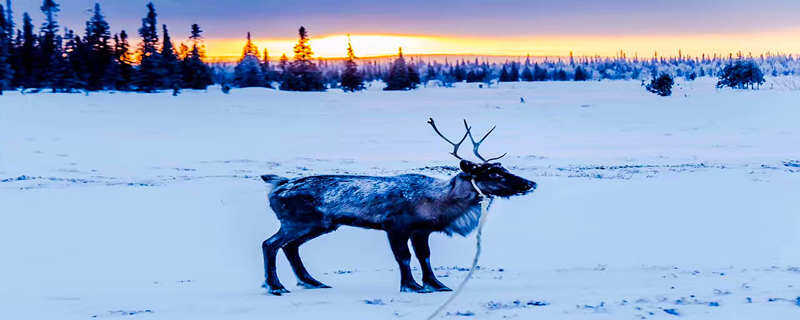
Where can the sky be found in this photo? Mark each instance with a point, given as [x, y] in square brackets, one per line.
[483, 27]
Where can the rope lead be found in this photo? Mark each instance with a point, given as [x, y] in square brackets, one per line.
[485, 201]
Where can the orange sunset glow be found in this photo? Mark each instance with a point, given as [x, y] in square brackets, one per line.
[371, 45]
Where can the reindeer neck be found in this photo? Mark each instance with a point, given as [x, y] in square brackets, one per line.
[458, 207]
[460, 189]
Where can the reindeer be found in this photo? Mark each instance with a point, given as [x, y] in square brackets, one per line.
[409, 206]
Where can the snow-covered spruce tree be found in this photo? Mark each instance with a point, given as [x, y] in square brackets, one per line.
[742, 74]
[100, 54]
[399, 77]
[148, 76]
[6, 71]
[247, 72]
[169, 65]
[661, 85]
[302, 74]
[195, 72]
[352, 80]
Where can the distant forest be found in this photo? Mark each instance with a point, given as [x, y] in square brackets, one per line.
[62, 60]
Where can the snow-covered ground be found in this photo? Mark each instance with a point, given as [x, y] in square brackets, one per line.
[122, 205]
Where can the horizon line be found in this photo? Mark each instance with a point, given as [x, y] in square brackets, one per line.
[370, 45]
[626, 55]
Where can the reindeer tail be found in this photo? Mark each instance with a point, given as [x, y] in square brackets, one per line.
[274, 180]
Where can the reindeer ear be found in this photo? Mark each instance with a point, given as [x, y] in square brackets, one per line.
[467, 166]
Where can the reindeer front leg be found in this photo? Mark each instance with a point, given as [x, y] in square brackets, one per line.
[399, 243]
[423, 252]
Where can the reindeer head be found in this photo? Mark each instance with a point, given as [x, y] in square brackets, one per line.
[491, 178]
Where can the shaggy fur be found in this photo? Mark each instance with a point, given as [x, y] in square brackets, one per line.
[407, 207]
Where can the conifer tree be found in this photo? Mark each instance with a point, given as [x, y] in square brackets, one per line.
[182, 52]
[76, 56]
[527, 75]
[580, 74]
[196, 37]
[10, 44]
[9, 15]
[413, 75]
[560, 75]
[302, 74]
[270, 74]
[148, 76]
[97, 38]
[458, 72]
[250, 49]
[430, 73]
[504, 77]
[16, 60]
[539, 73]
[352, 80]
[283, 63]
[123, 62]
[196, 73]
[248, 71]
[169, 63]
[8, 24]
[27, 54]
[49, 48]
[6, 72]
[398, 76]
[64, 78]
[514, 72]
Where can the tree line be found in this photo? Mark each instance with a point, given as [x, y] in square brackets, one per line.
[302, 73]
[65, 61]
[399, 73]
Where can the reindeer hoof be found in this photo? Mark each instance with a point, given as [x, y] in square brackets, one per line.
[278, 291]
[435, 285]
[318, 285]
[440, 288]
[274, 290]
[416, 288]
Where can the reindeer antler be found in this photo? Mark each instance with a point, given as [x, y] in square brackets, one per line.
[476, 145]
[455, 145]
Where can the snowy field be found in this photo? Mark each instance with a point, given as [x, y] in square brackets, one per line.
[132, 206]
